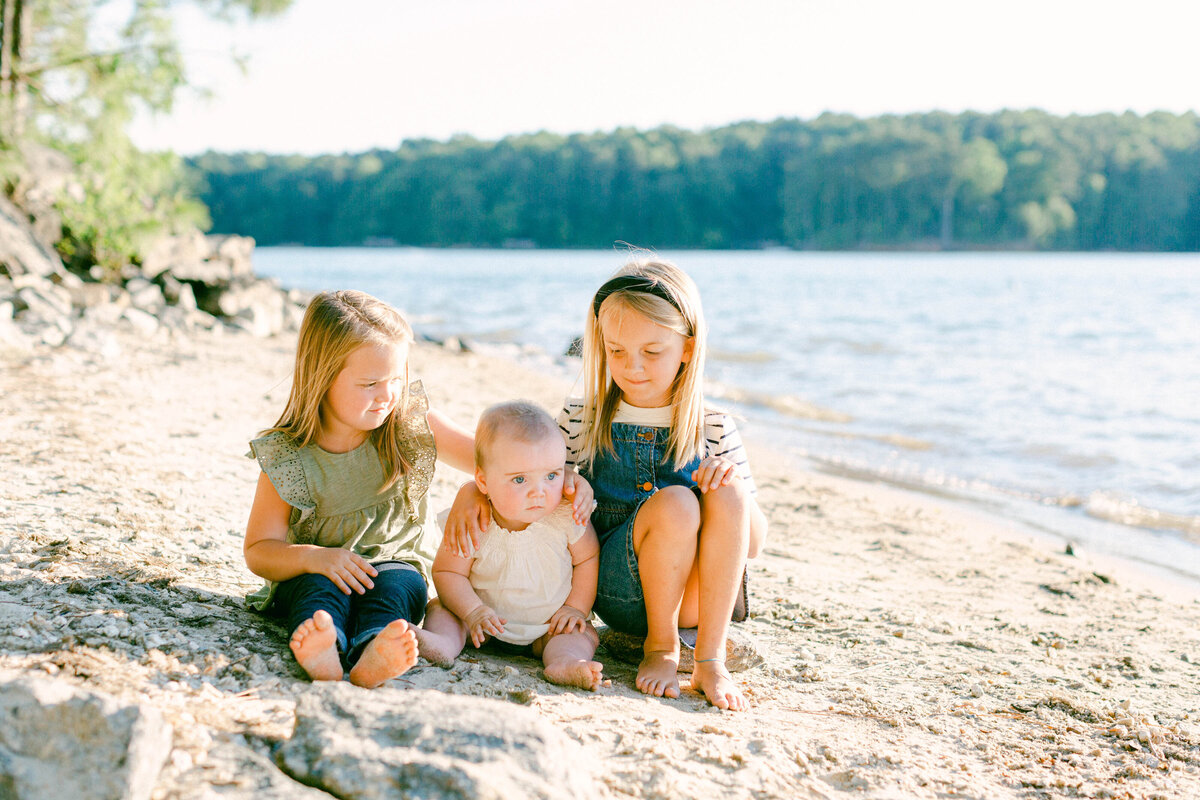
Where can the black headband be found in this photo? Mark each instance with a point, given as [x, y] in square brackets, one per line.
[632, 283]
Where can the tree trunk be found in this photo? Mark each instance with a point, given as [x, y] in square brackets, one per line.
[6, 26]
[14, 18]
[947, 238]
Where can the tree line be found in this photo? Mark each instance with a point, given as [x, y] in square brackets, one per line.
[1012, 179]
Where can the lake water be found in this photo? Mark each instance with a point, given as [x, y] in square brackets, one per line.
[1061, 390]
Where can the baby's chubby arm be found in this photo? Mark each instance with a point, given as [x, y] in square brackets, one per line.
[270, 555]
[585, 572]
[451, 578]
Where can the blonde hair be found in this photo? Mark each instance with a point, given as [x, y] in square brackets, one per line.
[334, 326]
[517, 419]
[682, 314]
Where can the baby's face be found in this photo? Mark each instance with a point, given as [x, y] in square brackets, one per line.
[523, 480]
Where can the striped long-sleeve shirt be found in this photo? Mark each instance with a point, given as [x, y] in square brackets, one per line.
[720, 433]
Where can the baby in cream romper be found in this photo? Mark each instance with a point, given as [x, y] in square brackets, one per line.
[532, 580]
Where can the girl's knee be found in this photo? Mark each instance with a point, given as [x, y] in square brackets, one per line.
[676, 504]
[732, 499]
[670, 516]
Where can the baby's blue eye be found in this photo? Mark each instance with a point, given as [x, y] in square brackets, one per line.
[519, 479]
[553, 476]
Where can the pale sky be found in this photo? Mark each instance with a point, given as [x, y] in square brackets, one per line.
[358, 74]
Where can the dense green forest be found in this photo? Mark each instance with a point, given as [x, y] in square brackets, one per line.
[1013, 179]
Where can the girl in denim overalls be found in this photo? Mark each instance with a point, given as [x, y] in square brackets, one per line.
[676, 513]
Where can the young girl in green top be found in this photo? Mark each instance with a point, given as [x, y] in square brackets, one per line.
[340, 525]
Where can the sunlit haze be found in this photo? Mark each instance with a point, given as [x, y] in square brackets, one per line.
[331, 78]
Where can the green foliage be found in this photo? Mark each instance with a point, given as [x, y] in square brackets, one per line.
[1014, 179]
[84, 68]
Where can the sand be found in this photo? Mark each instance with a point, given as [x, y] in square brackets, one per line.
[912, 649]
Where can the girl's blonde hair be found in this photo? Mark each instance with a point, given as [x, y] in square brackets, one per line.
[681, 313]
[334, 326]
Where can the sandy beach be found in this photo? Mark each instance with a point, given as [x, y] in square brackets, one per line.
[912, 649]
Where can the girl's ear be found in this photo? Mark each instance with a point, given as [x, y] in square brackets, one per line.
[689, 347]
[480, 481]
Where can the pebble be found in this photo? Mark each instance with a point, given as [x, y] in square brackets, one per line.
[182, 760]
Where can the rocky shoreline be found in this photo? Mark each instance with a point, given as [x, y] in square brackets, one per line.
[187, 282]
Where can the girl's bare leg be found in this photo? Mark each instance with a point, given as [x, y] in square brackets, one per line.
[567, 658]
[442, 636]
[665, 537]
[314, 644]
[724, 538]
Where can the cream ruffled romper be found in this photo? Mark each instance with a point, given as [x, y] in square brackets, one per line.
[525, 576]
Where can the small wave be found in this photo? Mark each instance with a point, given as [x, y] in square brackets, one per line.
[786, 404]
[862, 348]
[753, 357]
[1125, 511]
[903, 442]
[893, 439]
[1067, 459]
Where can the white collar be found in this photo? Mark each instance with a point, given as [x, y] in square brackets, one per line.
[651, 417]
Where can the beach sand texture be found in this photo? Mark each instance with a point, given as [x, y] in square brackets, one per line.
[911, 650]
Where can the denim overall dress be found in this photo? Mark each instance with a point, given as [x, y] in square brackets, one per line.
[622, 480]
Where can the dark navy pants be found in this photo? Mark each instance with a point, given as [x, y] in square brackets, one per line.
[399, 593]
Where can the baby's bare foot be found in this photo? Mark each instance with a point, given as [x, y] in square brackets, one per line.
[389, 655]
[575, 672]
[435, 649]
[711, 678]
[658, 674]
[314, 643]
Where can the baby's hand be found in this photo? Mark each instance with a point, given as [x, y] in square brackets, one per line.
[714, 472]
[348, 571]
[567, 620]
[469, 517]
[582, 498]
[484, 622]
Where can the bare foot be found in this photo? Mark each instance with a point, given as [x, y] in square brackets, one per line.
[314, 643]
[435, 649]
[389, 655]
[711, 678]
[575, 672]
[658, 674]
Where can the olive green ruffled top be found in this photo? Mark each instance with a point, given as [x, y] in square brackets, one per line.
[336, 501]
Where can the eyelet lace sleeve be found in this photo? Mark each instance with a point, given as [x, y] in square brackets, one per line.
[279, 457]
[416, 441]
